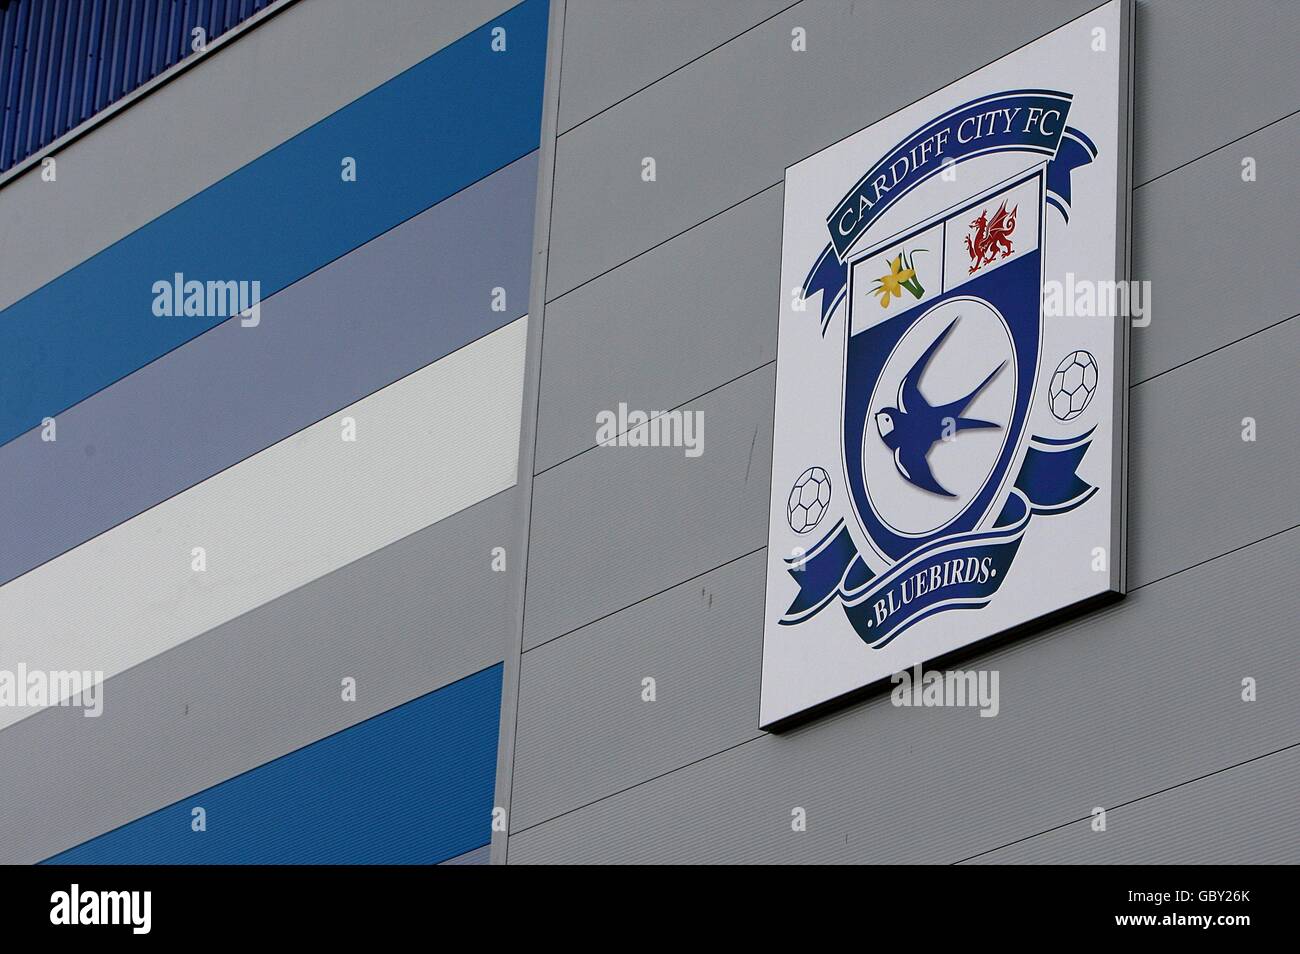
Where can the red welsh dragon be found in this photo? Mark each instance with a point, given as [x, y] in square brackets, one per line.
[991, 237]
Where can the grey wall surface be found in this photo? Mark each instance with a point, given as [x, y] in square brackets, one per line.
[403, 616]
[317, 57]
[1240, 817]
[642, 563]
[400, 621]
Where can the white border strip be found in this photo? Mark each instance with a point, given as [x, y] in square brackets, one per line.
[426, 447]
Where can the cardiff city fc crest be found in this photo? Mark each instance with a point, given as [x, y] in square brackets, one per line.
[936, 394]
[945, 458]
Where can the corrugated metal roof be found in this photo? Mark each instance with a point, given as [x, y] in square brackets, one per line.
[62, 61]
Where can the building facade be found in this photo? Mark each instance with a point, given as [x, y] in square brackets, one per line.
[363, 582]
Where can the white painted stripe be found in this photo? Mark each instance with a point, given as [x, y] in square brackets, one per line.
[292, 71]
[427, 446]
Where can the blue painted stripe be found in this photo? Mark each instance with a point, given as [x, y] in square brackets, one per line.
[281, 217]
[413, 785]
[375, 315]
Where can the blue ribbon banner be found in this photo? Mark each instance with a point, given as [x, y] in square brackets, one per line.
[963, 571]
[1026, 120]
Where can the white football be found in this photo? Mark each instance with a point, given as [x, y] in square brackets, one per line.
[1073, 385]
[809, 499]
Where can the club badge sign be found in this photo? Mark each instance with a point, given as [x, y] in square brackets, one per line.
[948, 456]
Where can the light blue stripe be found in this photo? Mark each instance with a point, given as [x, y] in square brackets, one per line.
[445, 123]
[413, 785]
[406, 299]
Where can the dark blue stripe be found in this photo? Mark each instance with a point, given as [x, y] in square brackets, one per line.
[34, 88]
[9, 19]
[90, 69]
[236, 391]
[413, 785]
[281, 217]
[14, 97]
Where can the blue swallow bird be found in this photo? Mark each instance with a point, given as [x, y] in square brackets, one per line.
[912, 428]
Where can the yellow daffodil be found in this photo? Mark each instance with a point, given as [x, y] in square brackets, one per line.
[892, 284]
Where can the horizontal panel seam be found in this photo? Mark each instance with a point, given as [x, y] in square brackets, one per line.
[629, 788]
[781, 181]
[1229, 344]
[1133, 801]
[757, 737]
[937, 89]
[1225, 145]
[1138, 587]
[677, 235]
[676, 69]
[658, 414]
[666, 589]
[1135, 384]
[1268, 536]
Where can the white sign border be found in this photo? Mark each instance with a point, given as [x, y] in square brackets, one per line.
[1118, 551]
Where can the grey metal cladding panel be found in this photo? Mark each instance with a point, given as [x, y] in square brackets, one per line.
[1248, 815]
[1191, 225]
[611, 50]
[402, 621]
[479, 856]
[585, 731]
[1186, 451]
[727, 125]
[1197, 491]
[1127, 701]
[1196, 488]
[701, 308]
[686, 317]
[618, 524]
[1208, 73]
[708, 160]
